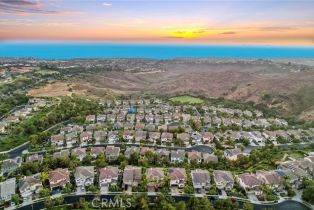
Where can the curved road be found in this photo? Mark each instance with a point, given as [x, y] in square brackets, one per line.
[68, 199]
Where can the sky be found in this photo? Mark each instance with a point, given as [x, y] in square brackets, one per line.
[266, 22]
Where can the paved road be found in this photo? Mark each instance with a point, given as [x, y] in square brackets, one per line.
[68, 199]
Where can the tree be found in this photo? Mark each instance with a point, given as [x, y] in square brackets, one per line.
[92, 188]
[68, 188]
[308, 192]
[82, 204]
[49, 203]
[134, 157]
[181, 205]
[44, 192]
[205, 204]
[248, 206]
[44, 178]
[101, 161]
[59, 200]
[226, 204]
[87, 160]
[16, 199]
[29, 168]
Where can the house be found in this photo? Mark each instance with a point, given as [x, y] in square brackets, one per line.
[186, 117]
[196, 138]
[57, 140]
[139, 126]
[149, 118]
[177, 177]
[121, 117]
[153, 137]
[95, 151]
[250, 182]
[132, 176]
[128, 135]
[108, 176]
[155, 177]
[130, 117]
[207, 137]
[162, 128]
[91, 127]
[113, 137]
[177, 156]
[79, 152]
[112, 153]
[128, 126]
[10, 165]
[167, 117]
[3, 126]
[62, 153]
[58, 178]
[140, 116]
[173, 126]
[194, 156]
[233, 154]
[185, 137]
[176, 116]
[30, 185]
[210, 158]
[86, 137]
[150, 127]
[12, 119]
[100, 136]
[144, 150]
[130, 150]
[111, 118]
[7, 189]
[271, 179]
[223, 179]
[90, 118]
[140, 135]
[71, 139]
[201, 180]
[84, 176]
[158, 119]
[166, 138]
[101, 118]
[34, 158]
[163, 153]
[295, 173]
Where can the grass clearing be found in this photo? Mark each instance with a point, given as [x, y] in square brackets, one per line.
[186, 100]
[47, 72]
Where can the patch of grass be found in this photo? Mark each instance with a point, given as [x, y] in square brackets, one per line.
[186, 100]
[297, 154]
[47, 72]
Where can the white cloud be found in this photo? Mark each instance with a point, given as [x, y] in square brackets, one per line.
[106, 4]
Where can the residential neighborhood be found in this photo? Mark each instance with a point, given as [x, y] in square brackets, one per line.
[158, 147]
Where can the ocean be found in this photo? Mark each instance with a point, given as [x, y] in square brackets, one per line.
[69, 50]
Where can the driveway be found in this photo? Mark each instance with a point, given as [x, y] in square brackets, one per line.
[251, 196]
[104, 190]
[80, 190]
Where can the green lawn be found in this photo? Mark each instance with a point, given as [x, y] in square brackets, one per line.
[298, 154]
[186, 100]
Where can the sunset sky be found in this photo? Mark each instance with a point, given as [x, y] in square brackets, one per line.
[167, 21]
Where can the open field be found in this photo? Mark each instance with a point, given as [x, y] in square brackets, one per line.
[186, 99]
[47, 72]
[66, 89]
[284, 86]
[52, 90]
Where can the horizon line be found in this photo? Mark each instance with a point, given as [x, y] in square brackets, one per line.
[17, 41]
